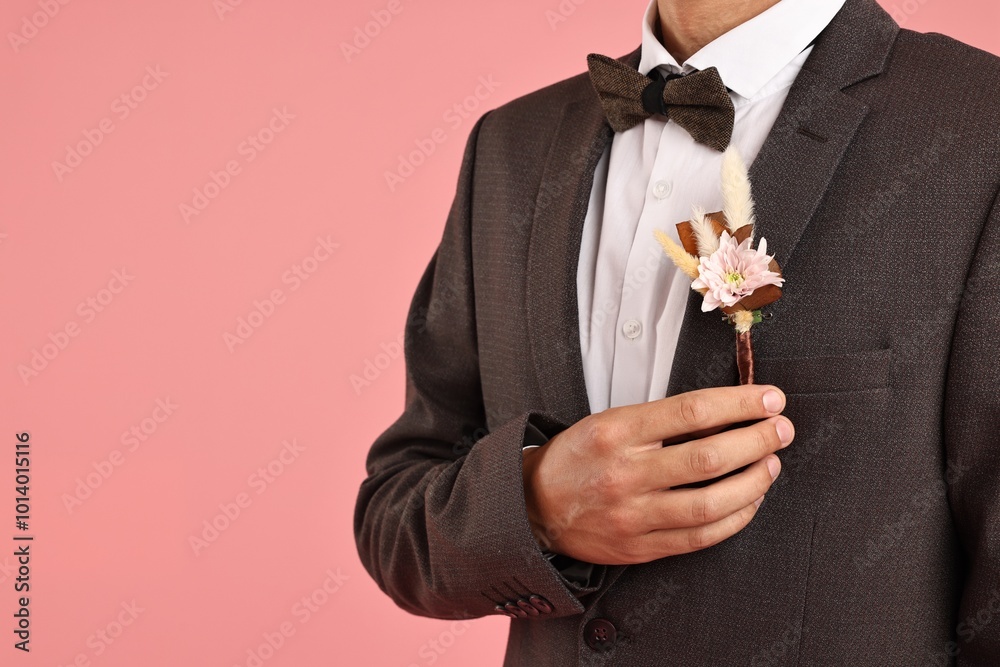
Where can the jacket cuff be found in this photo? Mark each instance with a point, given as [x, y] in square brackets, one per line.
[581, 577]
[521, 582]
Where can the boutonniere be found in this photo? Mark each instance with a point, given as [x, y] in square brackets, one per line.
[725, 267]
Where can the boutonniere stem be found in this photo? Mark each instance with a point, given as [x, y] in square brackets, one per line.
[718, 254]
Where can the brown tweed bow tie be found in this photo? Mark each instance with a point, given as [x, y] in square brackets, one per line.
[698, 102]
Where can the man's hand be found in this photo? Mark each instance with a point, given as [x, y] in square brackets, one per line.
[600, 491]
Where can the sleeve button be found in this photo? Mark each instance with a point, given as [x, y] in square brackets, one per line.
[500, 609]
[528, 608]
[515, 611]
[540, 603]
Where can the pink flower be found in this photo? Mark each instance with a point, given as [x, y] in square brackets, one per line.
[733, 272]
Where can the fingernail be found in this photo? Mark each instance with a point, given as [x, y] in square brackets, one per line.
[784, 430]
[773, 466]
[772, 401]
[758, 501]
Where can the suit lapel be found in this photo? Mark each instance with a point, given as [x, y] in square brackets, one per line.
[581, 137]
[792, 172]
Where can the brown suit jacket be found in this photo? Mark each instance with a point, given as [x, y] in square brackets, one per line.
[879, 544]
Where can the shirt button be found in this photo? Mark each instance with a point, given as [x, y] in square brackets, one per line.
[632, 329]
[662, 189]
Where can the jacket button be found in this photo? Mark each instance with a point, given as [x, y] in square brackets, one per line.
[540, 603]
[600, 634]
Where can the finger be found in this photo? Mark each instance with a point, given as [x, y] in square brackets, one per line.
[676, 541]
[708, 458]
[697, 411]
[688, 508]
[704, 433]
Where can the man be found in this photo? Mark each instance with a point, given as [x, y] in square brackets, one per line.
[635, 534]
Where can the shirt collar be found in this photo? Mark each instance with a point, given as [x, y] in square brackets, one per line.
[752, 53]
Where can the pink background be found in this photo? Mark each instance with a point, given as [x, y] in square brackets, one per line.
[114, 514]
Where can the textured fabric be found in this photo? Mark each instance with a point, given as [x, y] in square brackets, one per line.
[631, 298]
[698, 102]
[880, 542]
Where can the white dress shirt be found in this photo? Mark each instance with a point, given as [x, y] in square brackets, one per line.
[631, 297]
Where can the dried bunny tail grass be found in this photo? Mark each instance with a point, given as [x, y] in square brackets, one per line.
[678, 255]
[743, 319]
[704, 232]
[736, 197]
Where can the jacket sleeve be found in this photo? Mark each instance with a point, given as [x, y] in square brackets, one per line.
[440, 522]
[972, 443]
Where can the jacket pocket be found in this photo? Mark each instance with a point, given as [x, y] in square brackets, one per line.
[841, 408]
[821, 374]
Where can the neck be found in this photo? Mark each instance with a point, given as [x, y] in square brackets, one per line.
[687, 25]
